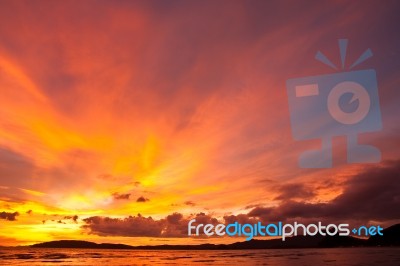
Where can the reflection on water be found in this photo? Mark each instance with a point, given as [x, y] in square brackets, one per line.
[299, 257]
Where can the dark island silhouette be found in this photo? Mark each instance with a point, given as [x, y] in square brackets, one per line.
[391, 237]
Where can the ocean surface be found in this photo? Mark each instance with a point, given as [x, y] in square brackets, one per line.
[299, 257]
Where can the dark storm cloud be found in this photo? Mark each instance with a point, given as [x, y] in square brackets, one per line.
[373, 194]
[9, 216]
[142, 199]
[296, 190]
[130, 226]
[118, 196]
[190, 203]
[174, 218]
[240, 218]
[288, 210]
[173, 225]
[73, 218]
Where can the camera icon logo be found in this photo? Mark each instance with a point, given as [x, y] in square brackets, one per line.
[339, 104]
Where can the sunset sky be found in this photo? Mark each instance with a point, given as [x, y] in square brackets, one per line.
[122, 120]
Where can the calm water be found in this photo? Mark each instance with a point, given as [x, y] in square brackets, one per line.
[298, 257]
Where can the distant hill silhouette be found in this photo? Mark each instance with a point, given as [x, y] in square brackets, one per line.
[391, 237]
[80, 244]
